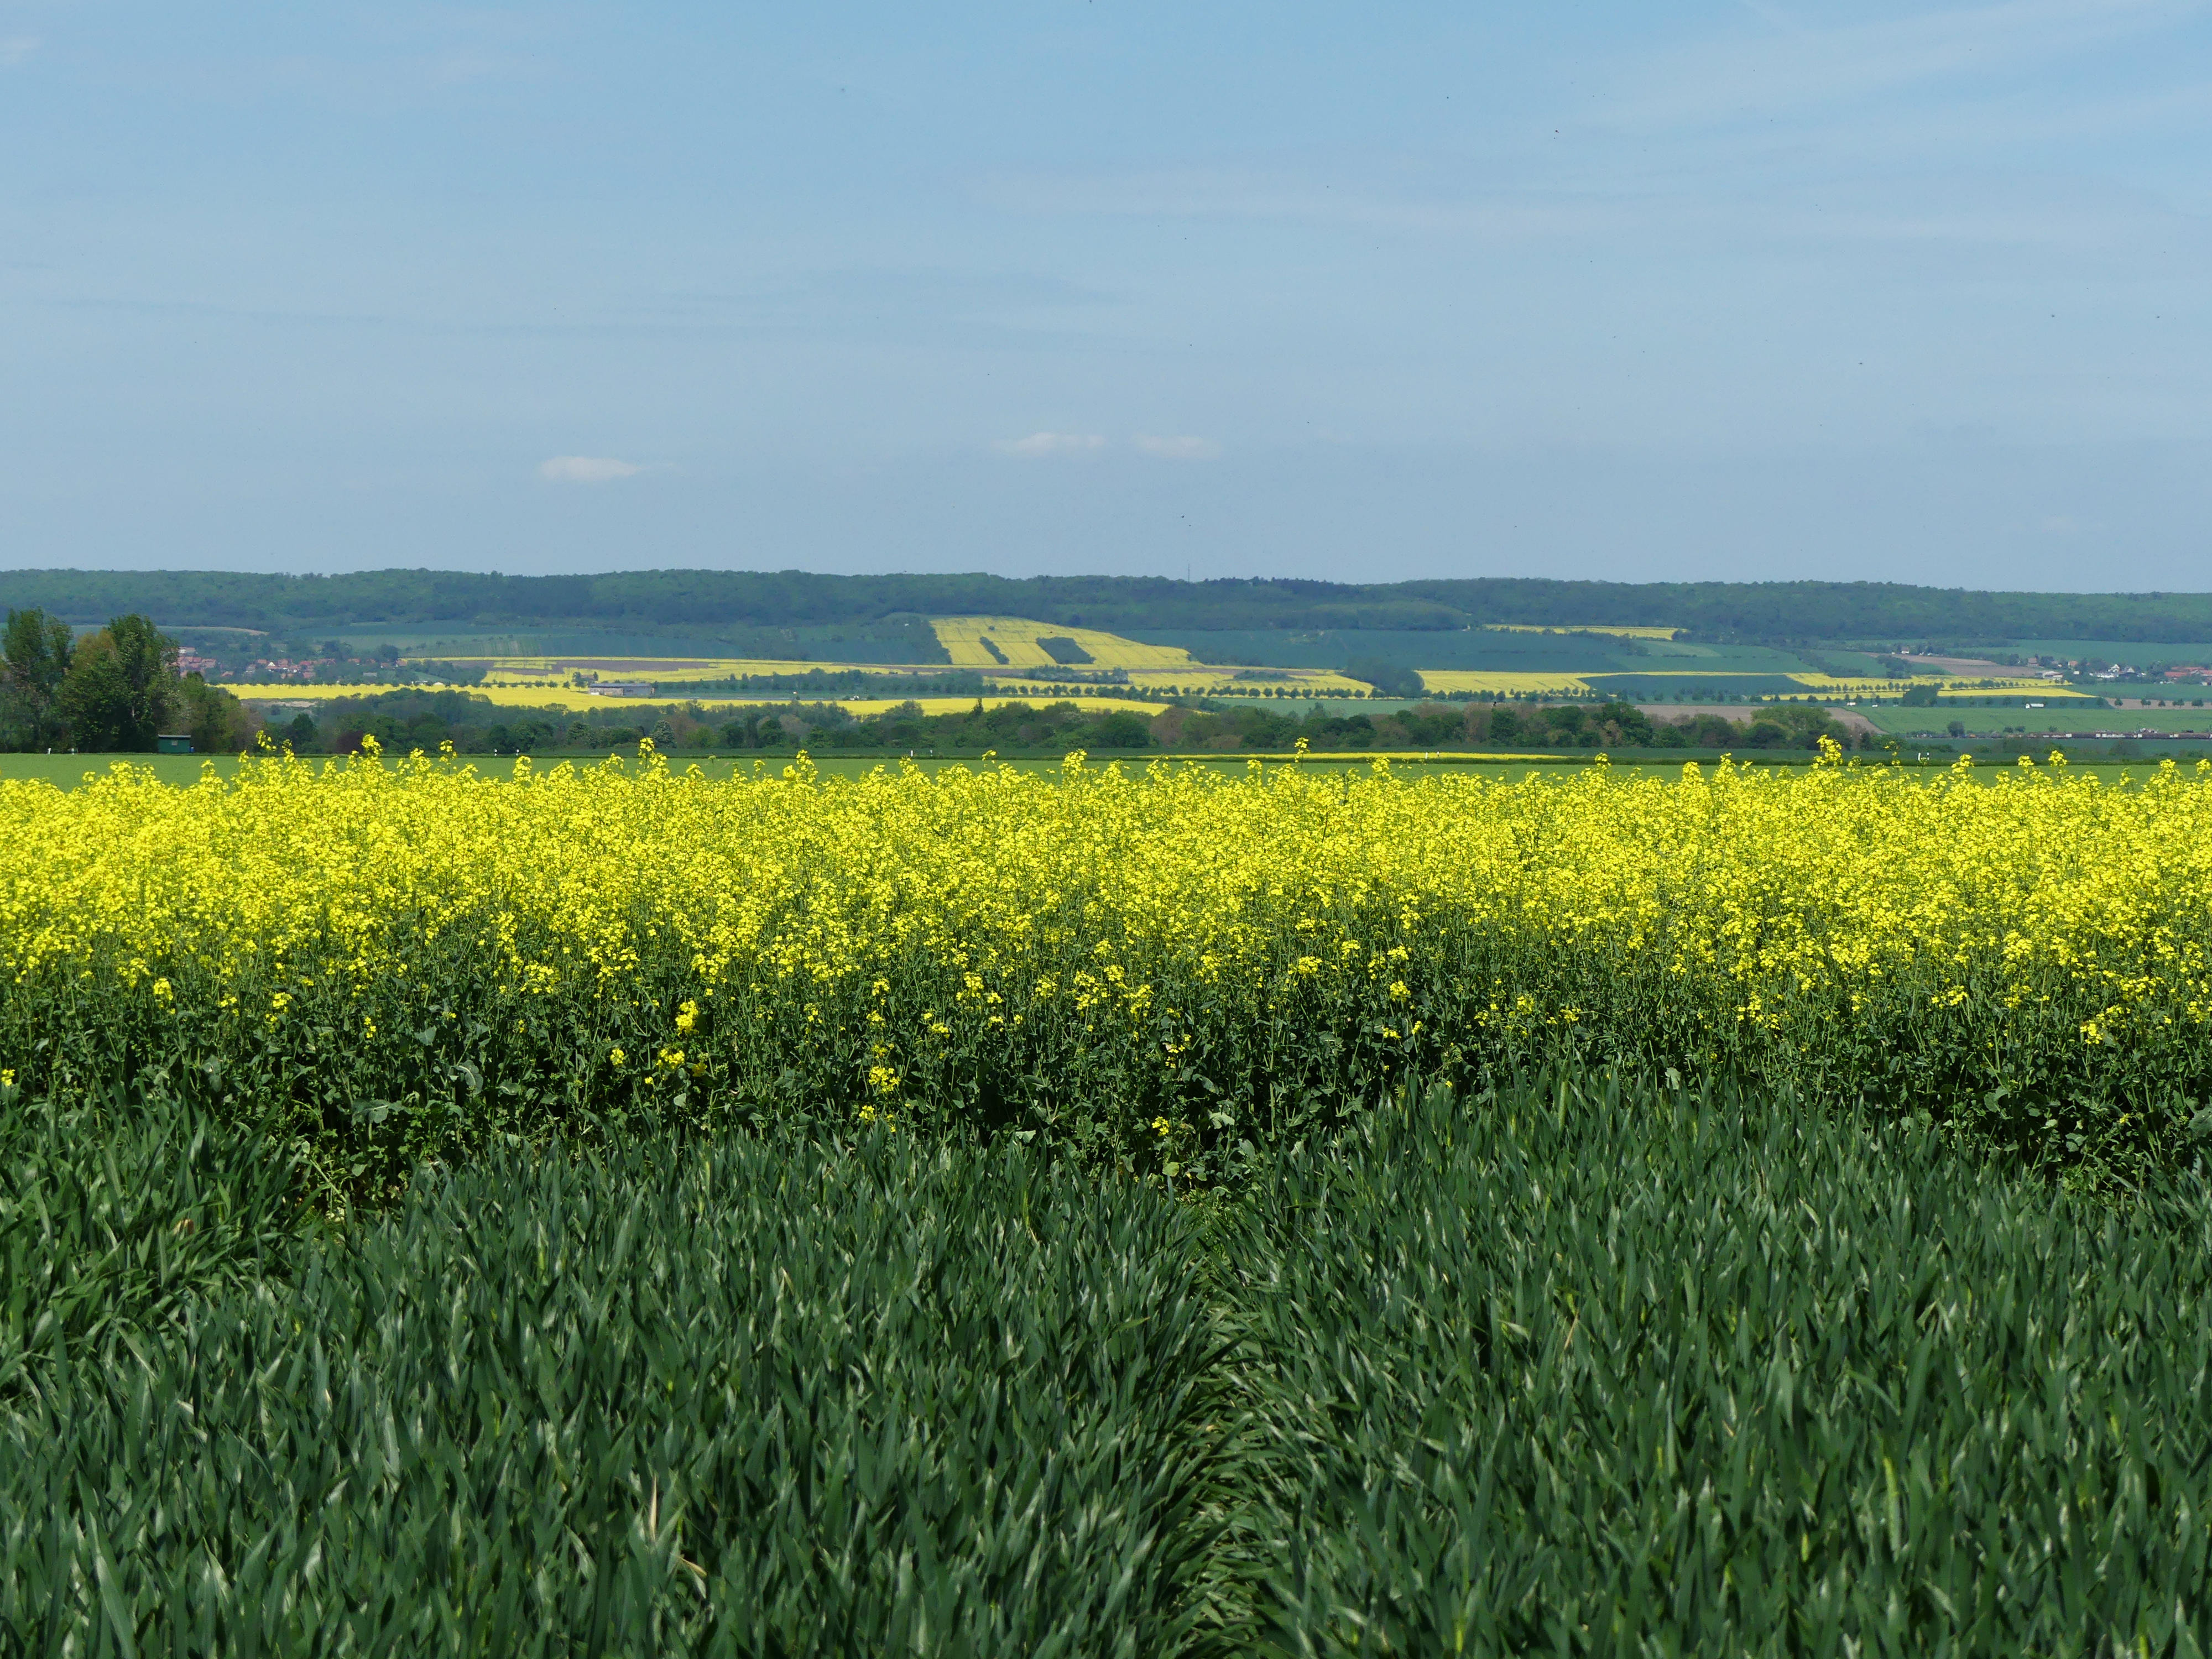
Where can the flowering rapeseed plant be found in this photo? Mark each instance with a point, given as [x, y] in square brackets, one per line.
[1086, 954]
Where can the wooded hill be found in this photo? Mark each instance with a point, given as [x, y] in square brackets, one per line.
[697, 603]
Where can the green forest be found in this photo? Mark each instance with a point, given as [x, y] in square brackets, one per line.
[722, 604]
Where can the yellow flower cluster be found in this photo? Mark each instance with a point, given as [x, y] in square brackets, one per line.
[1108, 945]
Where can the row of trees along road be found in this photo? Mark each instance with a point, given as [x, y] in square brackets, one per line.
[114, 690]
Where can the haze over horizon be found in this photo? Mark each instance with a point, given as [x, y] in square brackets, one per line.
[1682, 292]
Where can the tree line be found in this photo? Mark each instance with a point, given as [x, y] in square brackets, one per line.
[112, 690]
[402, 722]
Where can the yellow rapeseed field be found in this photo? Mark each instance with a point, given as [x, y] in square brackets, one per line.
[1510, 683]
[1157, 964]
[1618, 632]
[1016, 639]
[2011, 686]
[555, 672]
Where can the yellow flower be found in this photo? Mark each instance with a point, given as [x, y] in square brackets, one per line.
[1106, 922]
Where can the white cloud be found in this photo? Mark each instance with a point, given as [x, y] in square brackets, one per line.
[14, 48]
[587, 469]
[1053, 443]
[1178, 449]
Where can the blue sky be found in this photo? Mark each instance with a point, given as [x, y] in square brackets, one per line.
[1667, 290]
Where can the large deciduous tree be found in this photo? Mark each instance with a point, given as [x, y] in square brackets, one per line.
[121, 689]
[218, 722]
[34, 659]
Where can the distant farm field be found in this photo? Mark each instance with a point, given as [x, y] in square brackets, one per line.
[2056, 715]
[1018, 656]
